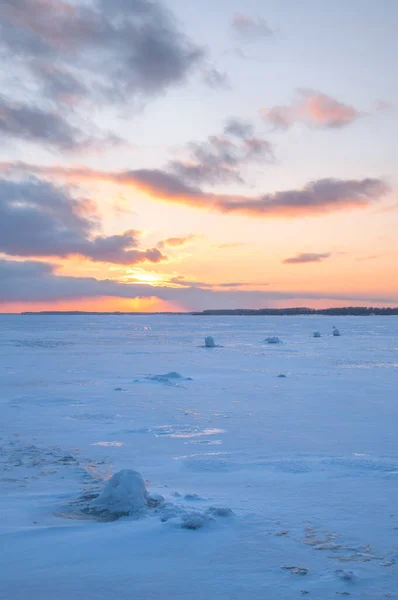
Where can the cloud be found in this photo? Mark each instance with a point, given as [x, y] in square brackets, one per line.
[176, 242]
[38, 218]
[107, 50]
[306, 258]
[35, 125]
[68, 60]
[45, 127]
[371, 257]
[38, 282]
[181, 281]
[316, 198]
[383, 105]
[215, 78]
[314, 109]
[221, 157]
[249, 29]
[231, 245]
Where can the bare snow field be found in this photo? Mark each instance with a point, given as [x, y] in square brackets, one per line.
[138, 463]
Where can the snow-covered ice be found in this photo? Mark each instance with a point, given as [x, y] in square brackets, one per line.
[272, 340]
[124, 494]
[252, 486]
[209, 342]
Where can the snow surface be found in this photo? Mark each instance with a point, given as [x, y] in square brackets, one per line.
[273, 487]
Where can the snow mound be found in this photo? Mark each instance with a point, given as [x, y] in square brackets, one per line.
[124, 494]
[209, 342]
[336, 332]
[272, 340]
[317, 334]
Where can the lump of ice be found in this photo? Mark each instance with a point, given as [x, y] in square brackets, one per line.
[209, 342]
[336, 332]
[296, 570]
[220, 511]
[193, 521]
[317, 334]
[125, 493]
[155, 500]
[272, 340]
[345, 575]
[168, 378]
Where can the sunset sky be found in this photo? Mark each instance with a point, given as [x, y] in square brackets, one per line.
[186, 155]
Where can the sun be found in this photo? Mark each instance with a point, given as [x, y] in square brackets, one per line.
[142, 276]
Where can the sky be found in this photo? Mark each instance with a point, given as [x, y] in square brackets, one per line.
[181, 155]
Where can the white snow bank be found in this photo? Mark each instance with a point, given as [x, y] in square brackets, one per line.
[209, 342]
[272, 340]
[125, 493]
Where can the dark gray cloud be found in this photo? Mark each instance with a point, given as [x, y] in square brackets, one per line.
[215, 78]
[35, 125]
[117, 49]
[38, 218]
[249, 29]
[239, 128]
[306, 257]
[221, 157]
[316, 198]
[38, 282]
[65, 57]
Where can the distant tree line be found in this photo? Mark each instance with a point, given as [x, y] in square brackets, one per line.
[342, 311]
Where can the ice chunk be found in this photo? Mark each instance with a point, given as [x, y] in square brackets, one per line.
[336, 332]
[273, 340]
[317, 334]
[296, 570]
[345, 575]
[168, 378]
[220, 511]
[209, 342]
[125, 493]
[193, 521]
[155, 500]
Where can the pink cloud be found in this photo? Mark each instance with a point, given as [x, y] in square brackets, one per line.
[314, 109]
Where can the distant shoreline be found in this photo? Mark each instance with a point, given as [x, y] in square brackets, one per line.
[268, 312]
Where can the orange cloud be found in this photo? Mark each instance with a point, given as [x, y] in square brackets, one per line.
[316, 198]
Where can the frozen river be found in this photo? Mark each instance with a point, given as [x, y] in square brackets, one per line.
[308, 463]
